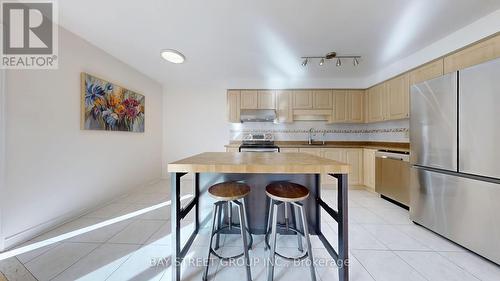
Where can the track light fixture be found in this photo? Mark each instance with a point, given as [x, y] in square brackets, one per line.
[330, 56]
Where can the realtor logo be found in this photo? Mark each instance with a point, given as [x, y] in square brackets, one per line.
[29, 35]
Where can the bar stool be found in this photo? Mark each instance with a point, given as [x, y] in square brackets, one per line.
[287, 194]
[228, 193]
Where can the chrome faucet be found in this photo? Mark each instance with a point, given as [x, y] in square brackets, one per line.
[311, 133]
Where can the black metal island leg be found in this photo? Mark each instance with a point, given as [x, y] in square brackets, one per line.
[177, 214]
[341, 216]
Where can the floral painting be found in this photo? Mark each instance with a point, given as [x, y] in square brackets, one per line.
[106, 106]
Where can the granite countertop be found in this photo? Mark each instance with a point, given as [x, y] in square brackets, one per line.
[258, 163]
[395, 146]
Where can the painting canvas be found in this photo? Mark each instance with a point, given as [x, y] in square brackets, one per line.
[107, 106]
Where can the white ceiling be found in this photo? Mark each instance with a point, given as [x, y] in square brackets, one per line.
[231, 40]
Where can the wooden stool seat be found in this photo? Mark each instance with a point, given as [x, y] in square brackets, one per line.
[229, 191]
[287, 191]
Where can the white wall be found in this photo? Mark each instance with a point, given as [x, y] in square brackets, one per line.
[195, 121]
[2, 150]
[55, 170]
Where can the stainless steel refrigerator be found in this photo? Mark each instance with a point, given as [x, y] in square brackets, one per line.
[455, 157]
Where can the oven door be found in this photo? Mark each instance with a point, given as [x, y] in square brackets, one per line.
[259, 149]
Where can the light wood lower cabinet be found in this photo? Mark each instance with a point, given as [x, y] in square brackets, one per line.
[352, 156]
[232, 149]
[288, 149]
[369, 168]
[313, 151]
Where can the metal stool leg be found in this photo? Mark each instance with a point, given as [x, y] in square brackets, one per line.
[205, 273]
[243, 228]
[219, 226]
[269, 220]
[308, 240]
[270, 268]
[243, 201]
[230, 214]
[297, 221]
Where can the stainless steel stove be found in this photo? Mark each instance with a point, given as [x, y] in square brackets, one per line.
[258, 143]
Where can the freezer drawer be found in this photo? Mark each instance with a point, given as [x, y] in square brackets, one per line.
[463, 210]
[479, 119]
[433, 123]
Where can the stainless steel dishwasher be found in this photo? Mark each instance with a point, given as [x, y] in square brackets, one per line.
[392, 176]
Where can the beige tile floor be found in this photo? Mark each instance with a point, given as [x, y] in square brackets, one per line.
[384, 245]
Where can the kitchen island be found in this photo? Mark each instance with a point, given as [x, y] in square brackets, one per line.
[258, 170]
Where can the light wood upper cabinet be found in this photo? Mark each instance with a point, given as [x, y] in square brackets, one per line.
[322, 99]
[376, 99]
[266, 99]
[340, 108]
[355, 105]
[398, 97]
[426, 72]
[249, 99]
[233, 106]
[284, 108]
[302, 99]
[369, 168]
[478, 53]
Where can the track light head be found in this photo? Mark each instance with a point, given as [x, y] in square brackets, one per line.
[355, 62]
[304, 63]
[322, 61]
[339, 63]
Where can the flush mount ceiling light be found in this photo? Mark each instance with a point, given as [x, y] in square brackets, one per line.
[330, 56]
[172, 56]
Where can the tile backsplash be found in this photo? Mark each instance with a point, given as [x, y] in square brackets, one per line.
[391, 131]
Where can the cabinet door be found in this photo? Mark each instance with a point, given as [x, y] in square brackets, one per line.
[340, 111]
[302, 99]
[398, 97]
[478, 53]
[266, 99]
[337, 154]
[313, 151]
[285, 111]
[355, 105]
[233, 106]
[232, 149]
[369, 168]
[288, 149]
[426, 72]
[322, 99]
[249, 99]
[376, 103]
[354, 157]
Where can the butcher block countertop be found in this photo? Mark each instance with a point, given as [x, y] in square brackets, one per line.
[258, 163]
